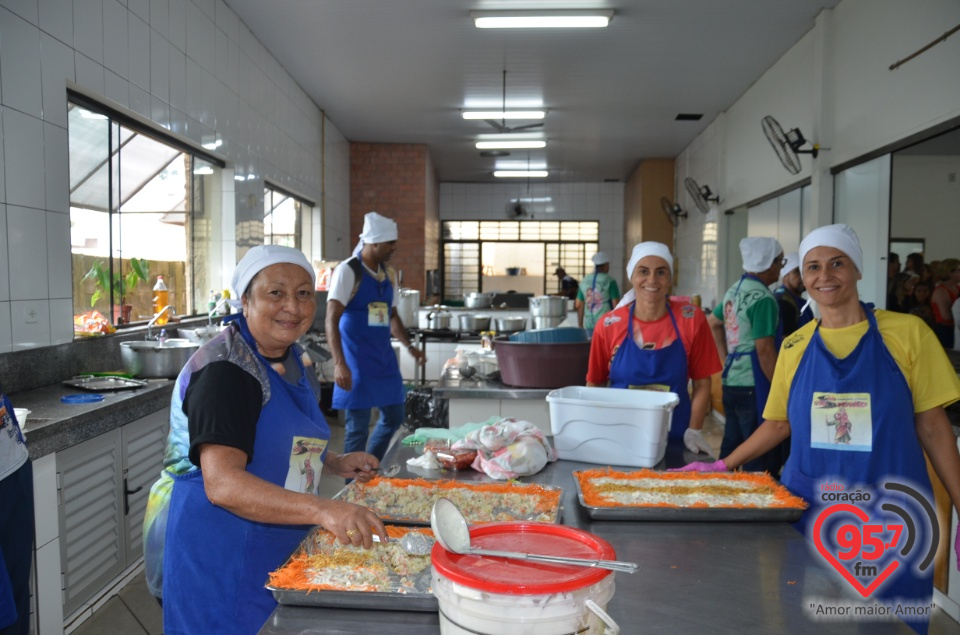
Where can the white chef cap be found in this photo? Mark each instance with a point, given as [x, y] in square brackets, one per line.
[600, 258]
[261, 257]
[376, 229]
[793, 262]
[649, 248]
[838, 236]
[758, 252]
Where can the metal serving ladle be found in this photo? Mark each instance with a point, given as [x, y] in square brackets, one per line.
[414, 543]
[453, 533]
[392, 470]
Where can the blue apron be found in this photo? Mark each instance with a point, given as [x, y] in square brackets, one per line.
[890, 450]
[633, 367]
[216, 563]
[761, 384]
[365, 338]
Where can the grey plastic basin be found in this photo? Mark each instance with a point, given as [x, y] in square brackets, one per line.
[150, 359]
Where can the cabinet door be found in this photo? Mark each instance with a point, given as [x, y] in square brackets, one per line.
[91, 518]
[143, 443]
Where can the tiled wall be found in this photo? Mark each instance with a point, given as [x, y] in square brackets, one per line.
[190, 67]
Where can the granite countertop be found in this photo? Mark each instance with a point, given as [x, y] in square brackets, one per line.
[53, 426]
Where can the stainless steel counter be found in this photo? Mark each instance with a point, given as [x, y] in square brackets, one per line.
[453, 386]
[694, 578]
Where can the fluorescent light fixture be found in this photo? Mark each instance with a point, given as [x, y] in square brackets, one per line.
[505, 174]
[213, 145]
[499, 114]
[557, 19]
[510, 136]
[203, 170]
[509, 145]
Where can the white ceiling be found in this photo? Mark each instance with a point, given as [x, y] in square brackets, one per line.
[399, 71]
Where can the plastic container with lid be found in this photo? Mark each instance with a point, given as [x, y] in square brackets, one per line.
[498, 596]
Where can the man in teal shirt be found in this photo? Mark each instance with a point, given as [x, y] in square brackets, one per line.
[598, 294]
[745, 327]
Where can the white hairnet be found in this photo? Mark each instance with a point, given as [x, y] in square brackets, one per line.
[793, 262]
[376, 229]
[758, 252]
[838, 236]
[649, 248]
[600, 258]
[261, 257]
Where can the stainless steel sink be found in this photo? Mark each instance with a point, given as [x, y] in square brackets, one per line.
[149, 359]
[200, 335]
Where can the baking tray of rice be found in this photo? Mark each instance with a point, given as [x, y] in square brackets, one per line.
[322, 572]
[409, 501]
[607, 494]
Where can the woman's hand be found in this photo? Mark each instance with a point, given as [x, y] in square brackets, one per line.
[357, 465]
[351, 524]
[717, 466]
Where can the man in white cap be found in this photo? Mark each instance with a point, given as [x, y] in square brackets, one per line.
[598, 293]
[793, 313]
[361, 317]
[745, 327]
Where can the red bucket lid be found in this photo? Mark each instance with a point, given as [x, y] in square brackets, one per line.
[522, 577]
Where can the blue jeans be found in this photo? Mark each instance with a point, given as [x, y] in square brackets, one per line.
[358, 424]
[740, 409]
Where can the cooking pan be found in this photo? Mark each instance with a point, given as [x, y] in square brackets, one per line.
[511, 324]
[477, 300]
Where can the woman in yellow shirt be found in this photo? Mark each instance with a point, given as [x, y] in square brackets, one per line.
[861, 394]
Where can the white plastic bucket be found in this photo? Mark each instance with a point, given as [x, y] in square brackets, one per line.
[494, 596]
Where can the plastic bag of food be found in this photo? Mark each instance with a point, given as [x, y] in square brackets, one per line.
[509, 448]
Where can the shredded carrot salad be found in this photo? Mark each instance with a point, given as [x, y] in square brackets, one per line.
[411, 500]
[605, 487]
[323, 564]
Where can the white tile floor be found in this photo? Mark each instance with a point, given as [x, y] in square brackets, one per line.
[135, 612]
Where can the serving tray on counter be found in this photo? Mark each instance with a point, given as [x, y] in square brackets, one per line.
[105, 383]
[321, 572]
[409, 501]
[775, 503]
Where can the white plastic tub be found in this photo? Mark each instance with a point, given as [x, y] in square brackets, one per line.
[611, 426]
[494, 596]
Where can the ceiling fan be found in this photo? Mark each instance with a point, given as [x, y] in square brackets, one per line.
[673, 211]
[701, 195]
[501, 126]
[788, 145]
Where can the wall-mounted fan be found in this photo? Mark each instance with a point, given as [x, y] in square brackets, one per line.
[501, 126]
[788, 145]
[673, 211]
[701, 194]
[516, 210]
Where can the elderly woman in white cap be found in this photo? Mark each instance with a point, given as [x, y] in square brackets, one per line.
[745, 325]
[654, 343]
[361, 317]
[598, 293]
[861, 393]
[245, 429]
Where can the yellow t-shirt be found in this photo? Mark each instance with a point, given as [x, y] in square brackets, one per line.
[914, 348]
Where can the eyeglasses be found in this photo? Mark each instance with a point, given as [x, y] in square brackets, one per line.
[783, 262]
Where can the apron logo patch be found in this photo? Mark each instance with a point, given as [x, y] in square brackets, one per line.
[881, 540]
[688, 311]
[306, 463]
[841, 421]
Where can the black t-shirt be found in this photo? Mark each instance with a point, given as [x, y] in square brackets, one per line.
[222, 405]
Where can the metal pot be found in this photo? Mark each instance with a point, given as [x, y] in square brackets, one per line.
[547, 321]
[408, 306]
[477, 300]
[548, 306]
[155, 358]
[471, 322]
[511, 324]
[439, 319]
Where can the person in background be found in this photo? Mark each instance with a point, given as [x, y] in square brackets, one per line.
[893, 268]
[568, 284]
[745, 327]
[883, 375]
[16, 523]
[945, 293]
[793, 311]
[597, 294]
[231, 503]
[654, 343]
[361, 317]
[921, 302]
[914, 263]
[902, 287]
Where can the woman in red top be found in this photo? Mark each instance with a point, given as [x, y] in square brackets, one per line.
[944, 295]
[654, 343]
